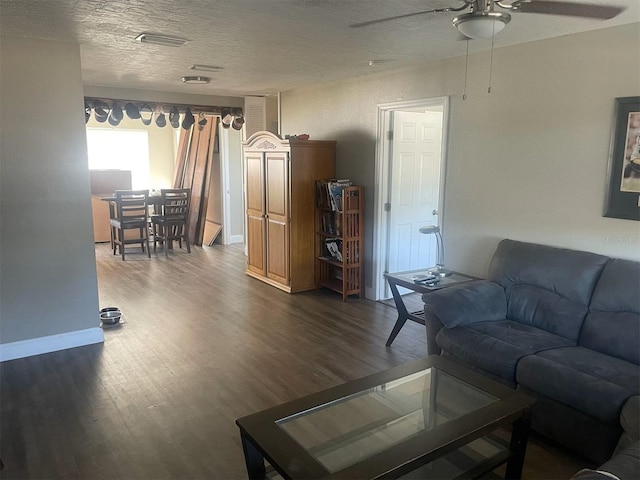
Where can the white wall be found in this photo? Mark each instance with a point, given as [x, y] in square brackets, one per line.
[49, 294]
[527, 162]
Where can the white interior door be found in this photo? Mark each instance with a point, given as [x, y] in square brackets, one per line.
[416, 154]
[407, 186]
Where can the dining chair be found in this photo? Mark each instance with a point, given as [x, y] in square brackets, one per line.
[173, 221]
[131, 214]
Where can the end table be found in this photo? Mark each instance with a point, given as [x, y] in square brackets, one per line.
[410, 280]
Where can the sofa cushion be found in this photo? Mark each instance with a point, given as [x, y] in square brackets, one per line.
[546, 283]
[584, 379]
[613, 323]
[470, 302]
[569, 273]
[496, 347]
[613, 333]
[547, 310]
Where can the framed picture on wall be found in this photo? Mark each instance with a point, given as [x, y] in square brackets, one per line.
[623, 183]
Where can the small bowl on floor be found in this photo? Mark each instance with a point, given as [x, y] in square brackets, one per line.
[109, 309]
[110, 317]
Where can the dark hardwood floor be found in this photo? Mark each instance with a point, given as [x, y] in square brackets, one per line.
[201, 345]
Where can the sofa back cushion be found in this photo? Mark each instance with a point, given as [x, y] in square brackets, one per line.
[612, 325]
[546, 287]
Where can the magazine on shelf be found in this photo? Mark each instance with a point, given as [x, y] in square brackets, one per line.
[333, 247]
[336, 189]
[329, 192]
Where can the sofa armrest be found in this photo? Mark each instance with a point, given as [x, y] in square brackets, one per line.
[630, 423]
[433, 324]
[624, 465]
[477, 301]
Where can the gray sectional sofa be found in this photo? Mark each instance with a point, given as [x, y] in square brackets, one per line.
[561, 325]
[625, 465]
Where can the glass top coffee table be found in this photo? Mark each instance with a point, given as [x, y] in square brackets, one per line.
[430, 418]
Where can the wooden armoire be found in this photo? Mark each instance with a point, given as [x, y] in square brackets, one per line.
[280, 187]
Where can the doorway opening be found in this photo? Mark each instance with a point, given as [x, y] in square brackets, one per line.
[410, 180]
[134, 156]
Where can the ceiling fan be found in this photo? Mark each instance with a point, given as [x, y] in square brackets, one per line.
[484, 21]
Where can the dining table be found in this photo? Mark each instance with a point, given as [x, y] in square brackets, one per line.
[154, 200]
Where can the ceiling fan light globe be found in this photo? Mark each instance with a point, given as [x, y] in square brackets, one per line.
[481, 25]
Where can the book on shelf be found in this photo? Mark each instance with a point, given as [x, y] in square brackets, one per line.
[331, 223]
[329, 193]
[327, 223]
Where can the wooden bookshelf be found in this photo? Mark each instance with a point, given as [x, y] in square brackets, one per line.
[340, 238]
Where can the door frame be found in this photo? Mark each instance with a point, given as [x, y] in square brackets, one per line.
[229, 184]
[382, 194]
[223, 144]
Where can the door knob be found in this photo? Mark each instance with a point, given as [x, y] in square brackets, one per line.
[435, 212]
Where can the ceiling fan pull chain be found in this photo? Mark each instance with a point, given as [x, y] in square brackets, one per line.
[466, 63]
[493, 36]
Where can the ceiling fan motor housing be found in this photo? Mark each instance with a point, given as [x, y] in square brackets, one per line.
[482, 21]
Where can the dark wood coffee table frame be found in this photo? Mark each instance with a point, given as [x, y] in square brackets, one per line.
[405, 279]
[262, 439]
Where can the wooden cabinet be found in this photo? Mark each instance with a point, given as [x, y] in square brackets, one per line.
[340, 232]
[103, 184]
[280, 199]
[101, 225]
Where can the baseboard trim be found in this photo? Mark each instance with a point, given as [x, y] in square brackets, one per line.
[50, 343]
[237, 239]
[369, 294]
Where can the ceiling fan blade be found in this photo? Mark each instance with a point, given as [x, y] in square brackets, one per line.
[467, 3]
[406, 15]
[603, 12]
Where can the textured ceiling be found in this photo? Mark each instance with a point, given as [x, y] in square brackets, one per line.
[265, 46]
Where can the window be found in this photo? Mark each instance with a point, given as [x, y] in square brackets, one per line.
[120, 150]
